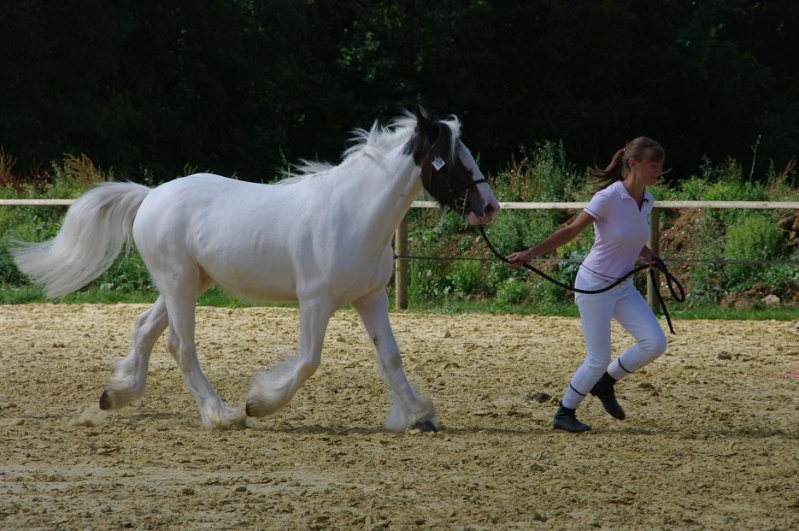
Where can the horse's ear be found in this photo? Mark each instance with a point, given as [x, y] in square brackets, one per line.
[428, 127]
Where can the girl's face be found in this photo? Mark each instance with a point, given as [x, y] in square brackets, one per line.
[647, 170]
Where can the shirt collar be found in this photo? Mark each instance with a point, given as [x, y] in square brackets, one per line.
[618, 186]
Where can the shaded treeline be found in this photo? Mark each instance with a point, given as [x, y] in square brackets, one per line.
[156, 87]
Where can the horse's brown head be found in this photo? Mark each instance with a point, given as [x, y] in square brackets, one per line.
[449, 172]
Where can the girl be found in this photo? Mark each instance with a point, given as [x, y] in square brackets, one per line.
[619, 211]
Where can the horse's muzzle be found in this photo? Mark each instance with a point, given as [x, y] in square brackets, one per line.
[484, 218]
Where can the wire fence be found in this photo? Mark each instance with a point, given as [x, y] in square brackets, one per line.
[402, 257]
[675, 261]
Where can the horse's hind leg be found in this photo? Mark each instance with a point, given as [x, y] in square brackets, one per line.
[130, 378]
[273, 389]
[181, 299]
[408, 408]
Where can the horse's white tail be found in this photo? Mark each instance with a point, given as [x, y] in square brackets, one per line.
[94, 230]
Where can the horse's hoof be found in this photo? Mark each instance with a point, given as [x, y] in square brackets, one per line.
[256, 409]
[426, 426]
[105, 400]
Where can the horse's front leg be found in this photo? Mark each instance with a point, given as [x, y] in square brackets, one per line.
[130, 378]
[273, 389]
[408, 408]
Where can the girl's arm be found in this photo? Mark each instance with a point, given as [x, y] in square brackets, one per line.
[559, 238]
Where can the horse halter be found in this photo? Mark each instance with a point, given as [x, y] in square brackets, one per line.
[456, 203]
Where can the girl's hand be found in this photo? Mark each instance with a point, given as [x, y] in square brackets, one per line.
[650, 258]
[519, 258]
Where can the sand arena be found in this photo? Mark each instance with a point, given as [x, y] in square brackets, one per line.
[711, 440]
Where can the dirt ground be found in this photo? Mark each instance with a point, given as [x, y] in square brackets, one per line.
[711, 440]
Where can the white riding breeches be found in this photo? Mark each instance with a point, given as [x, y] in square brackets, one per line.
[625, 304]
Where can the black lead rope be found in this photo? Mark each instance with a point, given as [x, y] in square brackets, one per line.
[671, 280]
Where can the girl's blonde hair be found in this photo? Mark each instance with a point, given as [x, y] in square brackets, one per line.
[619, 166]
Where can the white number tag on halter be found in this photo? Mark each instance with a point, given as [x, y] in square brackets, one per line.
[438, 163]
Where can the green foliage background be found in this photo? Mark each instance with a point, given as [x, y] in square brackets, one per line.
[457, 267]
[243, 87]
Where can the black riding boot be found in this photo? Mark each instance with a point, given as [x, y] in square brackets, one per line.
[565, 419]
[603, 390]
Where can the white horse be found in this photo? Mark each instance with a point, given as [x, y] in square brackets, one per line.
[321, 237]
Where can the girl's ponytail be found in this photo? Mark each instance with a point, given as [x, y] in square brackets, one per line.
[619, 165]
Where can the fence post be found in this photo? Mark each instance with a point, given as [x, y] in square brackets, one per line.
[401, 266]
[654, 245]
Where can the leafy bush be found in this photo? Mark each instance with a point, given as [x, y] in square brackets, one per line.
[511, 292]
[756, 237]
[127, 274]
[466, 278]
[514, 231]
[692, 189]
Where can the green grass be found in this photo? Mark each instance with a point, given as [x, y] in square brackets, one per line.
[218, 298]
[787, 313]
[676, 311]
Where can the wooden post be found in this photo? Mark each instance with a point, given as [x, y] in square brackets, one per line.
[654, 245]
[401, 266]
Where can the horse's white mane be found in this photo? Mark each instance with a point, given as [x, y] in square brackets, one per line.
[372, 143]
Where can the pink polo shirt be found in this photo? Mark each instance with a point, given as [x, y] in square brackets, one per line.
[621, 231]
